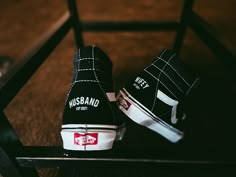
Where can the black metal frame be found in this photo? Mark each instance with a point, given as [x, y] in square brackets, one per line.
[17, 160]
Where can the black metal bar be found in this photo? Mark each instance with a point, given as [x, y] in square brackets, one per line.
[55, 156]
[215, 41]
[8, 136]
[150, 171]
[9, 142]
[20, 73]
[128, 26]
[76, 23]
[184, 19]
[48, 157]
[113, 162]
[7, 168]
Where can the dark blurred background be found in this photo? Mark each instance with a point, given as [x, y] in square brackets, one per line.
[36, 111]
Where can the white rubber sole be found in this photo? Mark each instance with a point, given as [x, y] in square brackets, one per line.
[82, 137]
[141, 115]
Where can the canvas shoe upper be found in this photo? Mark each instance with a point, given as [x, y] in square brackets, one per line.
[154, 97]
[91, 119]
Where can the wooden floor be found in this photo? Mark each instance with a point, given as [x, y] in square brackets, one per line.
[36, 112]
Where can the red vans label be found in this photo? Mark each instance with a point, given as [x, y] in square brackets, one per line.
[85, 139]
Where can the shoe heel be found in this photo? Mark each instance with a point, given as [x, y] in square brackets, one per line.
[91, 138]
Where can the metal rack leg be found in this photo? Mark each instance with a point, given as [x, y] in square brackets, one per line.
[7, 167]
[186, 11]
[77, 27]
[9, 142]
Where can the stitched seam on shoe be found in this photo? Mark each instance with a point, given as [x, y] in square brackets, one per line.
[159, 78]
[162, 84]
[145, 69]
[89, 81]
[175, 71]
[76, 56]
[69, 92]
[88, 58]
[90, 70]
[168, 77]
[191, 86]
[100, 84]
[163, 52]
[160, 56]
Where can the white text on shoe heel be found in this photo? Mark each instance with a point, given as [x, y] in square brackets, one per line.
[81, 101]
[140, 83]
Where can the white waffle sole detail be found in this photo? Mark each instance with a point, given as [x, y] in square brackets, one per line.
[81, 137]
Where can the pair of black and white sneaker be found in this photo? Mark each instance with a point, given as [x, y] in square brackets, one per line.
[91, 118]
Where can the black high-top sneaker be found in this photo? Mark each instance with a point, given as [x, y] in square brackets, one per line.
[91, 119]
[154, 98]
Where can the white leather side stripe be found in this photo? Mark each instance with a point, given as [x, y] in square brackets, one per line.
[143, 117]
[166, 99]
[171, 102]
